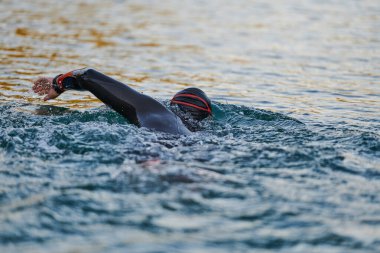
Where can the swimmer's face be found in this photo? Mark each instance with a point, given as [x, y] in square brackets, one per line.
[194, 102]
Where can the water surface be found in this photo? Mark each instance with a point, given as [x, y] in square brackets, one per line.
[290, 162]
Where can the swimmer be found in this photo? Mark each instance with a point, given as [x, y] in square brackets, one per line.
[140, 110]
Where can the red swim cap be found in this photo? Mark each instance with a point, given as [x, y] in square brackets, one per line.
[194, 101]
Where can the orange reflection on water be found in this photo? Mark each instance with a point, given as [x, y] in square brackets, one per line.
[272, 56]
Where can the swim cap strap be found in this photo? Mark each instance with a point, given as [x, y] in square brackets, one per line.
[207, 109]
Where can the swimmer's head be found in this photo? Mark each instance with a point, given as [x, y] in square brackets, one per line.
[193, 101]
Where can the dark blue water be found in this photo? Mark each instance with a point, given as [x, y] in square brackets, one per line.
[249, 180]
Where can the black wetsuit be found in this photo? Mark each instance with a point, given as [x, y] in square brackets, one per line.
[138, 108]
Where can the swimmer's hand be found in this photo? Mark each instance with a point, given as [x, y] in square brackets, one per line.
[44, 85]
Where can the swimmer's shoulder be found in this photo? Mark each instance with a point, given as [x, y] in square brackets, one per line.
[167, 122]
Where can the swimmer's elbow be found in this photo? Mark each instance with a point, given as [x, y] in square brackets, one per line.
[90, 71]
[84, 72]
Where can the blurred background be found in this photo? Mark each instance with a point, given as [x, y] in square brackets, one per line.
[318, 58]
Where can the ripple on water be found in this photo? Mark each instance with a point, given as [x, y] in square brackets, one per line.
[76, 177]
[261, 178]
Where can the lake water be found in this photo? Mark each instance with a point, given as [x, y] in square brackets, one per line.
[290, 162]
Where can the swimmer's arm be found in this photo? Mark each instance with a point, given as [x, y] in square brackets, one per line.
[84, 79]
[44, 86]
[53, 87]
[117, 95]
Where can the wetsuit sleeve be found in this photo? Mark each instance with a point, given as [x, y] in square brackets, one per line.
[128, 102]
[71, 83]
[139, 109]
